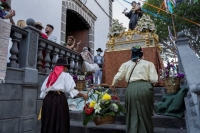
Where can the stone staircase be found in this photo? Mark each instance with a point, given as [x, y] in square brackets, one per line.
[163, 124]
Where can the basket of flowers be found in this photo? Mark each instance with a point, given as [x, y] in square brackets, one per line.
[171, 78]
[104, 108]
[82, 81]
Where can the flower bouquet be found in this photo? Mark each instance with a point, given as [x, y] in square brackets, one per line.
[82, 81]
[171, 78]
[103, 109]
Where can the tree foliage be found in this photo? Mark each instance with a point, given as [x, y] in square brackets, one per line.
[186, 9]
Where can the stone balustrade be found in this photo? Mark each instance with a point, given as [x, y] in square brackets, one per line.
[189, 65]
[16, 36]
[30, 50]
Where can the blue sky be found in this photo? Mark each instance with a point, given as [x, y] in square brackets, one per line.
[118, 9]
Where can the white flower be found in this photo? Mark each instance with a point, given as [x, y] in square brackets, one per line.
[97, 108]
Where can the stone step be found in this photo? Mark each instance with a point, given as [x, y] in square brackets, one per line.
[159, 92]
[122, 91]
[77, 127]
[159, 121]
[157, 98]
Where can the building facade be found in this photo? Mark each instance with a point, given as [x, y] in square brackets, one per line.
[86, 20]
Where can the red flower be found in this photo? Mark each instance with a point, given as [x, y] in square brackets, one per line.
[87, 109]
[114, 98]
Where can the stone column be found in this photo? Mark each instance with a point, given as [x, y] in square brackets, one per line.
[67, 56]
[28, 55]
[76, 64]
[71, 63]
[61, 53]
[80, 63]
[47, 58]
[16, 37]
[54, 60]
[40, 56]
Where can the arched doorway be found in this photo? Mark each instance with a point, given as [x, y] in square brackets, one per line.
[76, 27]
[75, 13]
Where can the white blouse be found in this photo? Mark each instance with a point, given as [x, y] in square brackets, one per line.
[144, 70]
[64, 83]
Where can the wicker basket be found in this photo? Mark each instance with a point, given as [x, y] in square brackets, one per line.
[172, 85]
[104, 120]
[80, 85]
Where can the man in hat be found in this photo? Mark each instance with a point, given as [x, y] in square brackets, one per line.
[48, 30]
[55, 110]
[39, 26]
[98, 59]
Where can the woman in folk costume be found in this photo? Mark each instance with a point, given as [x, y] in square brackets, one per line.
[139, 96]
[55, 110]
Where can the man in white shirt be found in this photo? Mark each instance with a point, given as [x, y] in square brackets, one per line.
[48, 31]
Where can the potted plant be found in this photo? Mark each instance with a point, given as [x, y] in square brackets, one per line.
[103, 109]
[171, 78]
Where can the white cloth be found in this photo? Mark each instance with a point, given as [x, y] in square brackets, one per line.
[90, 67]
[77, 104]
[64, 83]
[5, 29]
[52, 38]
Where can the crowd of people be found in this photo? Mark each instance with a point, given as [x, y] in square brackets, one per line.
[94, 63]
[7, 14]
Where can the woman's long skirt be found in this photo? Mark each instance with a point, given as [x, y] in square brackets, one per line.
[55, 113]
[139, 99]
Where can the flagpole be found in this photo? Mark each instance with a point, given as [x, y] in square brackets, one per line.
[174, 33]
[173, 26]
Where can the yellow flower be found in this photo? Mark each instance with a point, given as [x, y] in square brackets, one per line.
[106, 97]
[92, 103]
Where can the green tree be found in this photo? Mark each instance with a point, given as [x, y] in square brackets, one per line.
[186, 9]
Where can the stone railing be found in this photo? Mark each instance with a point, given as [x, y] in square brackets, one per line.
[29, 50]
[16, 36]
[189, 64]
[52, 52]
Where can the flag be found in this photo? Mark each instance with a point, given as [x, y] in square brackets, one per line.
[170, 5]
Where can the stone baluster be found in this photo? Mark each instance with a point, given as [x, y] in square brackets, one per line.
[54, 59]
[14, 49]
[67, 56]
[61, 53]
[80, 62]
[76, 64]
[72, 56]
[47, 58]
[40, 56]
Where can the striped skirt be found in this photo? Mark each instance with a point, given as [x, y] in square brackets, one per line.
[55, 113]
[139, 99]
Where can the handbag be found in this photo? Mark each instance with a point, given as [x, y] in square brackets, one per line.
[132, 72]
